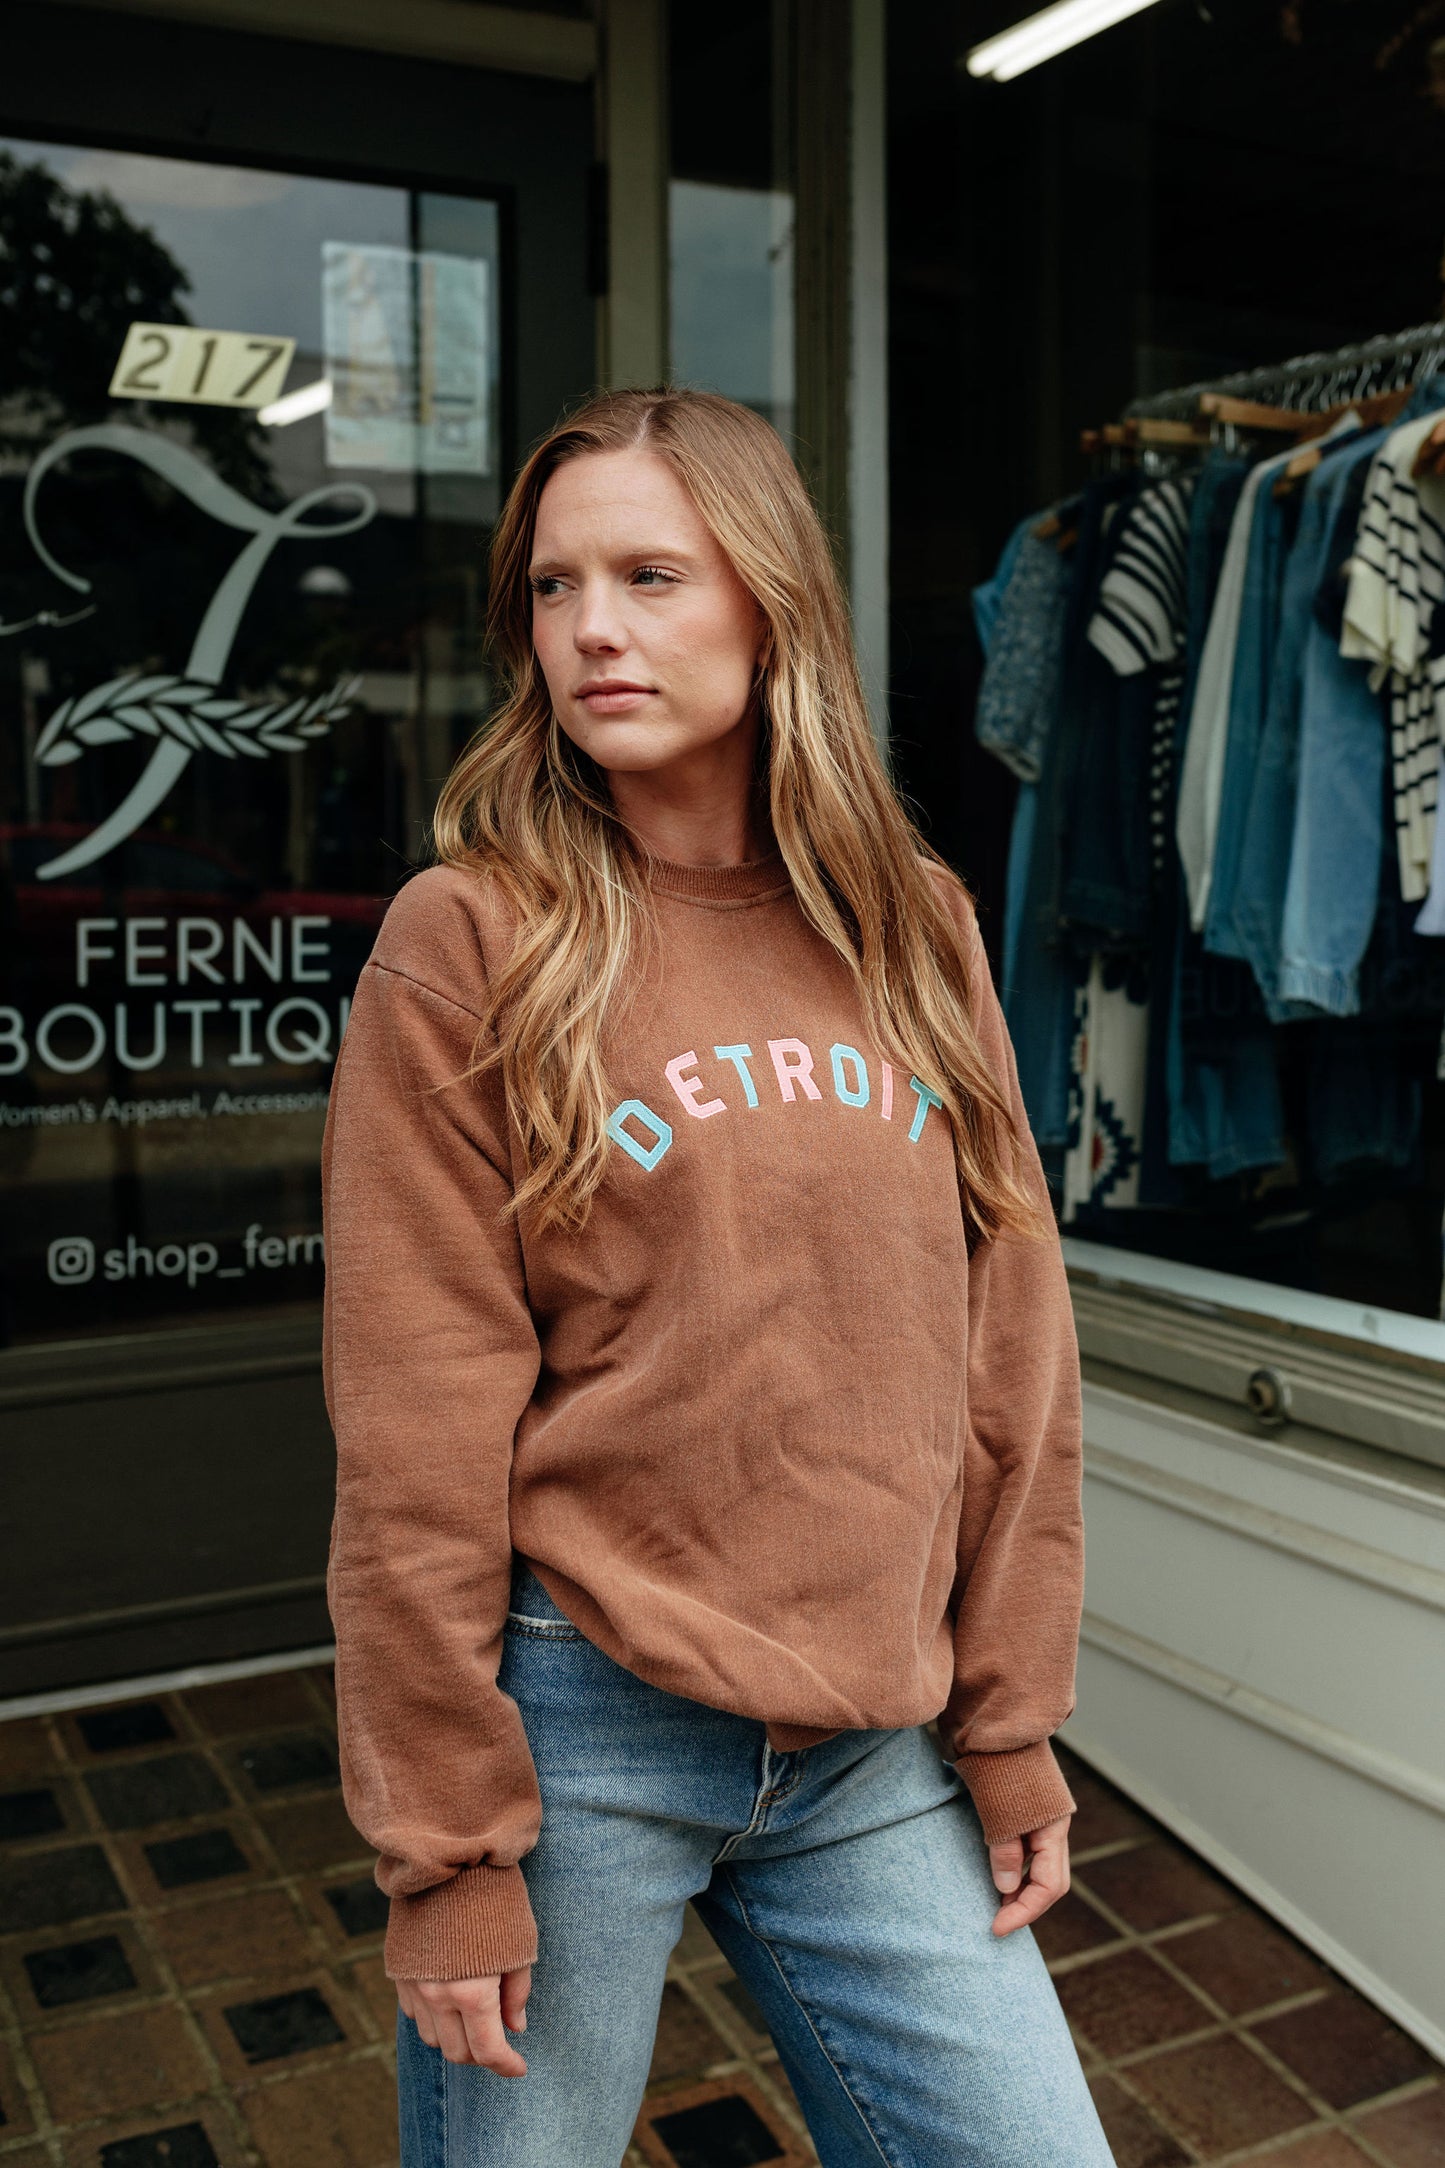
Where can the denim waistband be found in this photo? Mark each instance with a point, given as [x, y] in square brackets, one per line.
[528, 1595]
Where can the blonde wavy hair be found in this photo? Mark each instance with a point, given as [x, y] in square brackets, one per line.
[526, 807]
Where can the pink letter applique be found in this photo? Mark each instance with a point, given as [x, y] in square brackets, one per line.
[793, 1064]
[688, 1088]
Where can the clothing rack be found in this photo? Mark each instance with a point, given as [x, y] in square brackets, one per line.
[1311, 382]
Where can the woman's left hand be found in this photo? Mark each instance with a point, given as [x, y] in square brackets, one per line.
[1047, 1853]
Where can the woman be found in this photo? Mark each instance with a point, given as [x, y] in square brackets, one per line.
[702, 1368]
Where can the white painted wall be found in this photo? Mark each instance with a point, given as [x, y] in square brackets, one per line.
[1263, 1668]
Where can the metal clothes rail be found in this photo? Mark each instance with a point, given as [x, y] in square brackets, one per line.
[1312, 382]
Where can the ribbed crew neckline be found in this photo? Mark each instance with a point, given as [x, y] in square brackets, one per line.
[720, 884]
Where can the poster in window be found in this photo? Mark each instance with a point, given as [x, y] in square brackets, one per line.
[406, 349]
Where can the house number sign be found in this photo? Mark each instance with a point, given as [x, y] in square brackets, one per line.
[200, 368]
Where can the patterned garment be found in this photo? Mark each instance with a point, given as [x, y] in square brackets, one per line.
[1415, 738]
[1107, 1073]
[1139, 624]
[1024, 642]
[1139, 617]
[1397, 584]
[1430, 918]
[1167, 696]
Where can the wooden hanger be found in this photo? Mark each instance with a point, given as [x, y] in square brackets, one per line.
[1375, 412]
[1112, 437]
[1218, 406]
[1053, 529]
[1129, 436]
[1302, 464]
[1181, 434]
[1381, 408]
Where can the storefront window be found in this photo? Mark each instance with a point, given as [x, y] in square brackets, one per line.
[251, 444]
[731, 254]
[1171, 688]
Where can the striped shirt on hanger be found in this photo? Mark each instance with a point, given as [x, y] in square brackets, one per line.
[1139, 623]
[1139, 618]
[1397, 586]
[1398, 570]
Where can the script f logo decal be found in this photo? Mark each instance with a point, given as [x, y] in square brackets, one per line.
[185, 714]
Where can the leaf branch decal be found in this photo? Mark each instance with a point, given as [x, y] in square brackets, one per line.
[191, 712]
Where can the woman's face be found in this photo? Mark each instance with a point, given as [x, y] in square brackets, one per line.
[647, 638]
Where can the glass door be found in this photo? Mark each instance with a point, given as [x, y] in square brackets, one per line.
[258, 409]
[254, 452]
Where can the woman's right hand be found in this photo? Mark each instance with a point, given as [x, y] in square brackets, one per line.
[465, 2018]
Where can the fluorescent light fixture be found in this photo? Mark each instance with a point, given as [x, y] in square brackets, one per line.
[294, 406]
[1053, 31]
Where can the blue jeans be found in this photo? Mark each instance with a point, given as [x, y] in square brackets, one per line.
[1339, 832]
[847, 1883]
[1259, 630]
[1219, 1081]
[1286, 797]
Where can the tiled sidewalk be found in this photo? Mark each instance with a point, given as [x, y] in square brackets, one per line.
[190, 1977]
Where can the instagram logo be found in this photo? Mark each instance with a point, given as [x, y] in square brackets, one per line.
[71, 1259]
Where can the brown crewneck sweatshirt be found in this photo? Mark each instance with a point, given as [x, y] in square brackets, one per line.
[764, 1430]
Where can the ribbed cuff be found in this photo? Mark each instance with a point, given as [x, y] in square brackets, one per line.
[478, 1923]
[1331, 987]
[1016, 1791]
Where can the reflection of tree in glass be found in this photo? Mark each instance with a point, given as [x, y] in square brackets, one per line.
[75, 272]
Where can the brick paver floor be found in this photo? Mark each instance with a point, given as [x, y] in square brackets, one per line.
[190, 1976]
